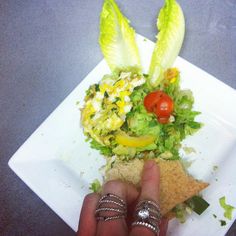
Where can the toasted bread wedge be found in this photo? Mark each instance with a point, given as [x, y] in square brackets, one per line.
[176, 186]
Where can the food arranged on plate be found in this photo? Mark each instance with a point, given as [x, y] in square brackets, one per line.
[130, 116]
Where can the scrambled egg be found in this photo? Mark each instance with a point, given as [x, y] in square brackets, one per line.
[107, 104]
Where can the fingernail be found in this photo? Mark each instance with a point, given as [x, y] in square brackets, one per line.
[149, 164]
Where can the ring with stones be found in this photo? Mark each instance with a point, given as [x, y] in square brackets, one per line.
[110, 207]
[147, 214]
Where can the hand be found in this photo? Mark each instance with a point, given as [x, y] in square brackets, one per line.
[89, 226]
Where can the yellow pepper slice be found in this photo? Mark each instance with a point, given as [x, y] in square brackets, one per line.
[130, 141]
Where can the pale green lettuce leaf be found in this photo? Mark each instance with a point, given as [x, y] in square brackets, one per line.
[95, 186]
[228, 208]
[117, 38]
[171, 26]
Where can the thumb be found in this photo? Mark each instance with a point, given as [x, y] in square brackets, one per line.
[150, 181]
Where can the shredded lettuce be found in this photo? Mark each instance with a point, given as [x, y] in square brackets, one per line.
[139, 122]
[117, 38]
[142, 123]
[171, 26]
[104, 150]
[95, 186]
[124, 151]
[181, 211]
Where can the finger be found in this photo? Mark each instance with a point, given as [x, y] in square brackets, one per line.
[163, 227]
[87, 222]
[150, 181]
[116, 227]
[149, 191]
[124, 190]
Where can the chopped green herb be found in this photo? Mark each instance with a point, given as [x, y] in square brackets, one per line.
[228, 208]
[114, 108]
[106, 94]
[97, 89]
[95, 186]
[222, 222]
[214, 215]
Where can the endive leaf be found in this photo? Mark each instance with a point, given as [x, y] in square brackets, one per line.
[171, 26]
[117, 38]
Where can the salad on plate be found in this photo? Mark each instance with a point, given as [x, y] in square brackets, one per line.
[130, 116]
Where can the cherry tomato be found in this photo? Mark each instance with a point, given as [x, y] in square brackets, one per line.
[163, 120]
[164, 107]
[151, 100]
[161, 104]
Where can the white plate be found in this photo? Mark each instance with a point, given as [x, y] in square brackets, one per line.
[58, 165]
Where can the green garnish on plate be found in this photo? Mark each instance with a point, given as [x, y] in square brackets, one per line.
[198, 204]
[227, 208]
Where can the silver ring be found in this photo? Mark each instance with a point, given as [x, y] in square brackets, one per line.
[148, 225]
[110, 207]
[107, 218]
[149, 202]
[147, 214]
[111, 201]
[111, 195]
